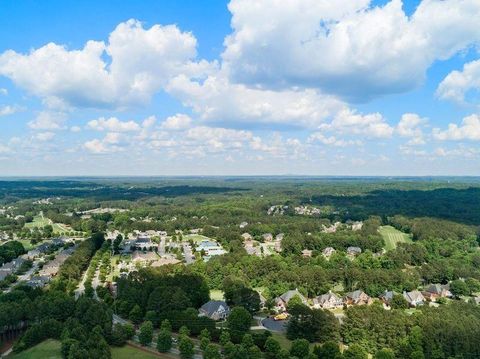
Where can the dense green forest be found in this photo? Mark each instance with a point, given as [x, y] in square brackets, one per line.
[440, 216]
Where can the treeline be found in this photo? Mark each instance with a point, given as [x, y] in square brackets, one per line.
[10, 251]
[450, 331]
[72, 269]
[431, 228]
[156, 295]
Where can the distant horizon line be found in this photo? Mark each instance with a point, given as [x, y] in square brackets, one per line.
[237, 176]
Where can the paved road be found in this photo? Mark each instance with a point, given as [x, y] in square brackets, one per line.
[187, 253]
[161, 246]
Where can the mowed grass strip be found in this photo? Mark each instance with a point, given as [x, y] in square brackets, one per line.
[49, 349]
[392, 236]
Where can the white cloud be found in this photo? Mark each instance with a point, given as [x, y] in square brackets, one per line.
[113, 124]
[44, 136]
[410, 126]
[111, 143]
[457, 84]
[48, 120]
[177, 122]
[8, 110]
[345, 47]
[216, 99]
[3, 92]
[4, 149]
[141, 62]
[468, 130]
[75, 129]
[331, 140]
[350, 122]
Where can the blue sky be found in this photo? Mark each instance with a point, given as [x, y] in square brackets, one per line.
[240, 87]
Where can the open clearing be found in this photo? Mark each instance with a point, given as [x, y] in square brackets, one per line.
[40, 221]
[197, 238]
[392, 236]
[50, 349]
[216, 294]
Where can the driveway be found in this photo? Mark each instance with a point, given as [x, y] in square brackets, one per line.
[279, 326]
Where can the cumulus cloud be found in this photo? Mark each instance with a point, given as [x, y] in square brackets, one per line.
[410, 126]
[458, 84]
[346, 47]
[140, 62]
[177, 122]
[370, 125]
[113, 124]
[217, 99]
[8, 110]
[331, 140]
[111, 143]
[468, 130]
[44, 136]
[48, 120]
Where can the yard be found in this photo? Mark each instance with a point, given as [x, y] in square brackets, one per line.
[49, 349]
[216, 294]
[196, 238]
[392, 236]
[128, 352]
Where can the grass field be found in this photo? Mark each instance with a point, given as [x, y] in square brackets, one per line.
[216, 294]
[196, 237]
[127, 352]
[392, 236]
[49, 349]
[40, 221]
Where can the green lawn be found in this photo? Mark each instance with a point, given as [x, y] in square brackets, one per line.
[38, 221]
[26, 244]
[49, 349]
[127, 352]
[216, 294]
[196, 238]
[392, 236]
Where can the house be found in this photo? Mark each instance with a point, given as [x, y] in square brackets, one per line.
[215, 309]
[357, 226]
[327, 301]
[12, 266]
[32, 254]
[144, 242]
[357, 297]
[327, 252]
[38, 281]
[247, 237]
[252, 248]
[268, 237]
[210, 248]
[434, 291]
[353, 251]
[414, 298]
[307, 253]
[386, 297]
[281, 302]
